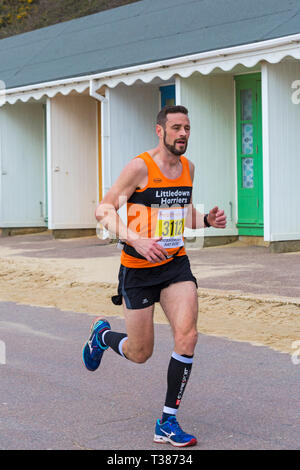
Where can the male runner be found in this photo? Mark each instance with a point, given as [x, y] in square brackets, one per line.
[157, 186]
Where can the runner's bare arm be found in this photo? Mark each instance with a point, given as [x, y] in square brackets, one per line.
[106, 212]
[118, 195]
[216, 217]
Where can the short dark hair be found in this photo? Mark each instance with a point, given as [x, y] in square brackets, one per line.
[162, 115]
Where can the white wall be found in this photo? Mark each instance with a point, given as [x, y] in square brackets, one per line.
[72, 161]
[132, 119]
[22, 158]
[210, 101]
[128, 129]
[281, 140]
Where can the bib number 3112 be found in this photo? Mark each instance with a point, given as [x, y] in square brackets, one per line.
[170, 226]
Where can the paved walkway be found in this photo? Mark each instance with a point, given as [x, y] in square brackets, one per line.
[239, 396]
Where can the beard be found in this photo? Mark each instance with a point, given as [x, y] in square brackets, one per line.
[173, 149]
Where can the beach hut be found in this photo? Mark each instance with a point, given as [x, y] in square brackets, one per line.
[102, 79]
[23, 160]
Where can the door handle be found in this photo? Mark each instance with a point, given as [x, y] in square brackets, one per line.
[230, 204]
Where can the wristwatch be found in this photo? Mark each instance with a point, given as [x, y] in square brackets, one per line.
[206, 223]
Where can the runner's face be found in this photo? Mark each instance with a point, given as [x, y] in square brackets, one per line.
[176, 133]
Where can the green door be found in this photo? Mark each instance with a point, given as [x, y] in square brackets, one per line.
[249, 155]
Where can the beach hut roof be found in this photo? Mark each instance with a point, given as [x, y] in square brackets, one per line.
[141, 33]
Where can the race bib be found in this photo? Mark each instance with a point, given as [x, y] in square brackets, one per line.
[170, 226]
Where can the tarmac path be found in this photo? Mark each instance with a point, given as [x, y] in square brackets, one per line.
[240, 396]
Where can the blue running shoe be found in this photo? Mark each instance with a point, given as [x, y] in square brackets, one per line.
[170, 431]
[94, 348]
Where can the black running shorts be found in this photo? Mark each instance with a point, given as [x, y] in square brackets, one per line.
[141, 287]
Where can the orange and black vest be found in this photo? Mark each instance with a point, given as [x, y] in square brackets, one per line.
[158, 210]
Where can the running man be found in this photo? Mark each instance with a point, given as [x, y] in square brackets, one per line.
[157, 186]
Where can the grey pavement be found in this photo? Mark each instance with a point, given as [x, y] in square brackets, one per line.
[239, 396]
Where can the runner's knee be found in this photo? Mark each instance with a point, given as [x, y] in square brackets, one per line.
[186, 341]
[140, 355]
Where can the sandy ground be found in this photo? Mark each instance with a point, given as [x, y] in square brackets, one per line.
[86, 285]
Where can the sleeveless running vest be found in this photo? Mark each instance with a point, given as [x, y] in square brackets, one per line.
[159, 210]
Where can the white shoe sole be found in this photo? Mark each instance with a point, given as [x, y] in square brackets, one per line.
[165, 440]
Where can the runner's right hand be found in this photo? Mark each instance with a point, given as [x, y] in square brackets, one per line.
[150, 249]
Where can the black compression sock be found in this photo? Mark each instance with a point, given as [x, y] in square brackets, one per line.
[178, 374]
[114, 341]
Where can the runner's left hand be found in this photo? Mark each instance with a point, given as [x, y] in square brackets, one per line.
[217, 218]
